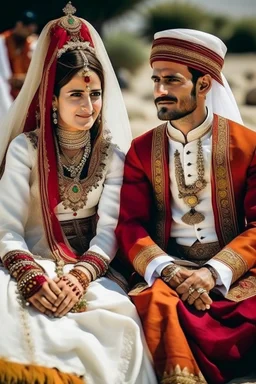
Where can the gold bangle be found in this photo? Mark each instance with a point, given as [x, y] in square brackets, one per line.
[81, 277]
[170, 272]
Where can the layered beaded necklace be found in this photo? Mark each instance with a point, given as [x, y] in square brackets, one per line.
[70, 188]
[82, 140]
[189, 192]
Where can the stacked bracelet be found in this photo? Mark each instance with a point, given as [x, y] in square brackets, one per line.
[169, 272]
[29, 275]
[81, 277]
[94, 263]
[31, 283]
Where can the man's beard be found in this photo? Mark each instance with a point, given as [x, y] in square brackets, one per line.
[187, 106]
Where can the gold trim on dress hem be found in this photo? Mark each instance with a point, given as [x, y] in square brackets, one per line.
[177, 375]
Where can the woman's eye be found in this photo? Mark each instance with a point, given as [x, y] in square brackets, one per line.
[95, 94]
[76, 94]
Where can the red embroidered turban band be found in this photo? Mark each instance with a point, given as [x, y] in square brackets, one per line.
[191, 54]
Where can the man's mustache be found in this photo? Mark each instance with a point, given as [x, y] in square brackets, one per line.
[165, 98]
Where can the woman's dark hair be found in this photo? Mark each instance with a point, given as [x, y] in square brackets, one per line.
[72, 62]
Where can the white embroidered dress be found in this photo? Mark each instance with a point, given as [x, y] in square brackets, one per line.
[105, 344]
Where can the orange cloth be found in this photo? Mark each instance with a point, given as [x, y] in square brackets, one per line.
[11, 373]
[174, 361]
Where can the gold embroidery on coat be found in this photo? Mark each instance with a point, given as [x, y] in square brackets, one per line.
[158, 181]
[242, 289]
[145, 256]
[234, 261]
[224, 188]
[176, 375]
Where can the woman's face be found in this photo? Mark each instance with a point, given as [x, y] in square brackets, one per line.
[78, 108]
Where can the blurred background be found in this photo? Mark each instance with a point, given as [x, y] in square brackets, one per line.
[127, 28]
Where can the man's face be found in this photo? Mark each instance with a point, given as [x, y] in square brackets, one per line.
[174, 91]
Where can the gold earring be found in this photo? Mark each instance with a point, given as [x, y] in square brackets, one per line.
[54, 115]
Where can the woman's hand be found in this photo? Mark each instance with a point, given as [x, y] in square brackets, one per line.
[71, 293]
[44, 300]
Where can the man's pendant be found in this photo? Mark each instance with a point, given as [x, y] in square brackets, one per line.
[192, 217]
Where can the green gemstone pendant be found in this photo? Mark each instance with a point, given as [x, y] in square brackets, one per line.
[75, 189]
[71, 20]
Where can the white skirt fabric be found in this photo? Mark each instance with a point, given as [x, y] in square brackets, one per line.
[105, 344]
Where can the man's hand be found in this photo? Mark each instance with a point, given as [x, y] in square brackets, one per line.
[179, 277]
[195, 288]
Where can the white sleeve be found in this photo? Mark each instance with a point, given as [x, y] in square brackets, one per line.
[15, 197]
[224, 276]
[105, 241]
[155, 267]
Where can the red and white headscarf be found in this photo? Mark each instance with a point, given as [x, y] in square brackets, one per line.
[37, 94]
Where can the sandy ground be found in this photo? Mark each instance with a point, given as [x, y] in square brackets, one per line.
[240, 71]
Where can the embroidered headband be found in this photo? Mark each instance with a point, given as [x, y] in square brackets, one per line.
[72, 45]
[72, 26]
[188, 53]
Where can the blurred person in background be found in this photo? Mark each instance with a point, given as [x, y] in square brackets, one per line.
[188, 217]
[16, 49]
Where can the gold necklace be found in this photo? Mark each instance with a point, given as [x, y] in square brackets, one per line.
[71, 190]
[73, 165]
[189, 192]
[73, 139]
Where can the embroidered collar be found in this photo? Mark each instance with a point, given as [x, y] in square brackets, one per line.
[196, 133]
